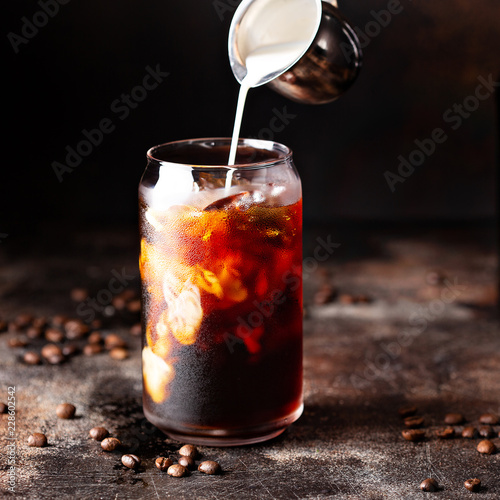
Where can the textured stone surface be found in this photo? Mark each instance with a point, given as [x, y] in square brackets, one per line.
[414, 342]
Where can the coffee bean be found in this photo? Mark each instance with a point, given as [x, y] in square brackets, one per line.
[79, 294]
[163, 463]
[92, 349]
[486, 446]
[469, 432]
[134, 306]
[34, 332]
[75, 329]
[3, 408]
[131, 461]
[54, 335]
[119, 303]
[136, 330]
[38, 440]
[32, 358]
[188, 450]
[95, 338]
[429, 484]
[96, 324]
[114, 340]
[110, 443]
[187, 462]
[407, 411]
[56, 359]
[347, 299]
[486, 431]
[446, 433]
[489, 419]
[177, 470]
[413, 422]
[58, 320]
[17, 342]
[70, 349]
[209, 467]
[23, 320]
[453, 418]
[473, 485]
[65, 410]
[118, 353]
[40, 322]
[413, 434]
[98, 433]
[51, 350]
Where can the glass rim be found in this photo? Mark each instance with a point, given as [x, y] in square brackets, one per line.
[262, 144]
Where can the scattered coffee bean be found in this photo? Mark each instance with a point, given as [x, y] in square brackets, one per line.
[40, 322]
[489, 419]
[187, 462]
[32, 358]
[446, 433]
[473, 485]
[118, 353]
[413, 434]
[136, 330]
[209, 467]
[75, 329]
[163, 463]
[486, 431]
[3, 408]
[54, 335]
[110, 443]
[70, 350]
[50, 351]
[134, 306]
[413, 422]
[91, 349]
[79, 294]
[119, 303]
[469, 432]
[429, 484]
[114, 340]
[65, 410]
[176, 470]
[188, 450]
[34, 332]
[98, 433]
[407, 411]
[17, 342]
[38, 440]
[96, 324]
[486, 446]
[23, 320]
[453, 418]
[58, 320]
[95, 338]
[131, 461]
[56, 359]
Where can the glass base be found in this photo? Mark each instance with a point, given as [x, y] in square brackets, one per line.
[223, 437]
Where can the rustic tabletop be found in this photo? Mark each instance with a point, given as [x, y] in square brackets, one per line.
[391, 321]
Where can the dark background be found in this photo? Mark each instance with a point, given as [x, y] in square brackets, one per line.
[66, 77]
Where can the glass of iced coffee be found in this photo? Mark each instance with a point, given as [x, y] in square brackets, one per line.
[221, 270]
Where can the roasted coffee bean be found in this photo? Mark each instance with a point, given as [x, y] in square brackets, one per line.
[23, 320]
[347, 299]
[110, 443]
[32, 358]
[209, 467]
[136, 330]
[188, 450]
[114, 340]
[70, 349]
[17, 342]
[98, 433]
[79, 294]
[58, 320]
[118, 353]
[131, 461]
[446, 433]
[65, 410]
[486, 446]
[177, 470]
[119, 303]
[134, 306]
[3, 408]
[95, 338]
[91, 349]
[56, 359]
[413, 422]
[40, 322]
[38, 440]
[51, 350]
[473, 485]
[429, 484]
[469, 432]
[54, 335]
[187, 462]
[407, 411]
[489, 419]
[486, 431]
[96, 324]
[163, 463]
[75, 329]
[413, 434]
[34, 332]
[453, 418]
